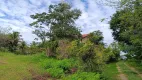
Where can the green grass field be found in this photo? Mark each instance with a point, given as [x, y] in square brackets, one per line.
[18, 67]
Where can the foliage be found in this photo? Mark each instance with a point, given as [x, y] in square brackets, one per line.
[57, 68]
[96, 37]
[91, 57]
[60, 22]
[57, 24]
[51, 62]
[113, 52]
[73, 48]
[14, 39]
[127, 28]
[4, 38]
[23, 46]
[56, 72]
[83, 76]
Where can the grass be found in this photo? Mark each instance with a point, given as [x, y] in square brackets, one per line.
[136, 64]
[16, 67]
[130, 74]
[111, 71]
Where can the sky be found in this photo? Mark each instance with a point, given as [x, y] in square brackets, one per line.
[16, 14]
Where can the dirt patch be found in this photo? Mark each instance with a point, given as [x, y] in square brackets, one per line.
[134, 70]
[121, 76]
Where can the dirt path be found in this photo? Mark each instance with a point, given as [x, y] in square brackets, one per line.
[134, 70]
[121, 76]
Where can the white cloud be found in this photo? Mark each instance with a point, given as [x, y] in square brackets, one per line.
[18, 15]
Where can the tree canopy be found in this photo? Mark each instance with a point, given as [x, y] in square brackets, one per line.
[127, 27]
[58, 23]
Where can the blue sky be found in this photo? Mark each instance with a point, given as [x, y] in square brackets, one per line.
[16, 14]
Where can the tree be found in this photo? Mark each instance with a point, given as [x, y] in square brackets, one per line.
[127, 27]
[113, 52]
[14, 39]
[58, 23]
[4, 37]
[96, 37]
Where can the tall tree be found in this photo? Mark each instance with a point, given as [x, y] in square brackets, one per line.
[58, 23]
[127, 27]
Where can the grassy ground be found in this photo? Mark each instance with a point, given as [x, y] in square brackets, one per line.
[136, 64]
[18, 67]
[129, 73]
[111, 71]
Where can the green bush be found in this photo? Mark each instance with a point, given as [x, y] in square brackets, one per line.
[57, 68]
[55, 72]
[83, 76]
[51, 62]
[73, 48]
[91, 57]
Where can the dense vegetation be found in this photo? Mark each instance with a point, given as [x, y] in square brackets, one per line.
[64, 54]
[127, 28]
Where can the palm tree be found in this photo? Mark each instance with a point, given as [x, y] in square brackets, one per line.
[14, 39]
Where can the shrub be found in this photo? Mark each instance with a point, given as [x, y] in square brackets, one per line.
[83, 76]
[73, 48]
[60, 66]
[55, 72]
[91, 57]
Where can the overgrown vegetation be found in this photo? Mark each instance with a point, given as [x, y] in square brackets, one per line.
[64, 54]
